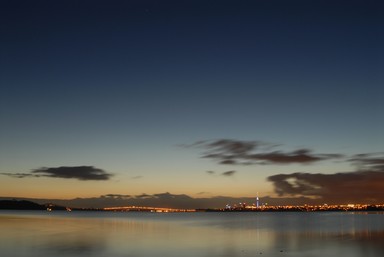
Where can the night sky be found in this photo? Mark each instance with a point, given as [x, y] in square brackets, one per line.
[192, 102]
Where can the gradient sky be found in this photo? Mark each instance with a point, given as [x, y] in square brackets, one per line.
[124, 90]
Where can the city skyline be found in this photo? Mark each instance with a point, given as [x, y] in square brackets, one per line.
[192, 102]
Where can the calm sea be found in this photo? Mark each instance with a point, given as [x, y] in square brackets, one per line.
[135, 234]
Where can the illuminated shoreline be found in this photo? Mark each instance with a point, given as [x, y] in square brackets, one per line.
[281, 208]
[242, 207]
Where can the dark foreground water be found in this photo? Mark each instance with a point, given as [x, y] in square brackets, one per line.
[130, 234]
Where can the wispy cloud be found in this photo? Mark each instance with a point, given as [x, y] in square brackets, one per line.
[368, 161]
[225, 173]
[116, 196]
[229, 173]
[142, 196]
[203, 193]
[74, 172]
[19, 175]
[229, 151]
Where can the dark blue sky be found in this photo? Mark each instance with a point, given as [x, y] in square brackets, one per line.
[119, 84]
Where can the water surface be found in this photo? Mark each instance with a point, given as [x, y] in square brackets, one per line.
[135, 234]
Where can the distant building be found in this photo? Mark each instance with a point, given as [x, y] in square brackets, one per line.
[257, 201]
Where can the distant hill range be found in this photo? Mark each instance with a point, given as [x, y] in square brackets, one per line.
[20, 205]
[26, 205]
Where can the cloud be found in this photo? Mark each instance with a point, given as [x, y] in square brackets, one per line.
[357, 186]
[228, 161]
[19, 175]
[373, 161]
[299, 156]
[236, 147]
[75, 172]
[229, 173]
[225, 173]
[142, 196]
[116, 196]
[230, 152]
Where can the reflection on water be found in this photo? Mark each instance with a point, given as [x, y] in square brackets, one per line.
[99, 234]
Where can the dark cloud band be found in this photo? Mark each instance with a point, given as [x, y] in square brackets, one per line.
[361, 186]
[75, 172]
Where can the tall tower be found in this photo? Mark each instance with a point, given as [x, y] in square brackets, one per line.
[257, 200]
